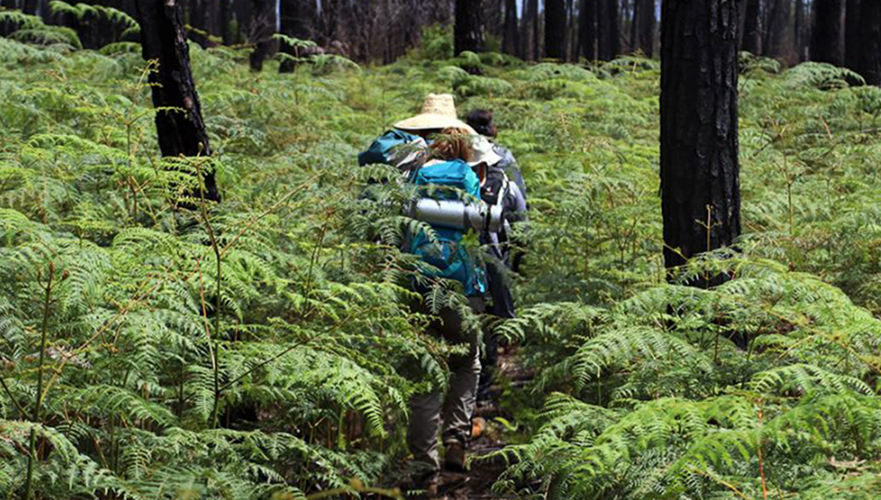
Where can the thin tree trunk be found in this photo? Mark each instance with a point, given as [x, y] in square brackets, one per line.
[608, 30]
[870, 62]
[469, 26]
[827, 37]
[181, 133]
[262, 29]
[799, 29]
[297, 21]
[777, 37]
[509, 43]
[852, 27]
[536, 31]
[587, 29]
[752, 28]
[700, 191]
[555, 29]
[643, 29]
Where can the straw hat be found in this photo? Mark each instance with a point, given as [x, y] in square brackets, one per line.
[483, 152]
[438, 112]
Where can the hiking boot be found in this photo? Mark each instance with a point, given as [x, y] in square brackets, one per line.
[424, 488]
[454, 457]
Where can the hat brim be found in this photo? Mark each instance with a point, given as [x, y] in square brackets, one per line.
[484, 153]
[431, 121]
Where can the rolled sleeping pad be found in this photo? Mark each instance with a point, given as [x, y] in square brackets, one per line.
[458, 214]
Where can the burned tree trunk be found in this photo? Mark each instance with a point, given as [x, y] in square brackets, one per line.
[870, 61]
[777, 37]
[827, 39]
[297, 21]
[181, 133]
[643, 28]
[587, 29]
[700, 191]
[509, 43]
[852, 28]
[555, 29]
[468, 31]
[262, 29]
[608, 30]
[752, 28]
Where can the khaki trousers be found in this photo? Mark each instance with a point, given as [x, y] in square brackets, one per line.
[453, 410]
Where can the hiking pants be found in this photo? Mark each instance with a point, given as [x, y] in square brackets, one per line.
[453, 409]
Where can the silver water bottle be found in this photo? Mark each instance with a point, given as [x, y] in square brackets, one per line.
[458, 215]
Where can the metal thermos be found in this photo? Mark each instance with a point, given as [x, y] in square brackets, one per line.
[458, 214]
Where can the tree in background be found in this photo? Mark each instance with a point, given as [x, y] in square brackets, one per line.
[587, 29]
[509, 40]
[752, 27]
[643, 27]
[852, 27]
[827, 39]
[555, 29]
[262, 29]
[468, 30]
[608, 30]
[700, 190]
[800, 28]
[163, 39]
[777, 41]
[870, 37]
[297, 21]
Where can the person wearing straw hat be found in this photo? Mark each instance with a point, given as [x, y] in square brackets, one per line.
[438, 113]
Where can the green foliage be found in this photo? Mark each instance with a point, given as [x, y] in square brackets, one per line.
[283, 368]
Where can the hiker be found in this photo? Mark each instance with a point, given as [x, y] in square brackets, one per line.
[503, 256]
[436, 148]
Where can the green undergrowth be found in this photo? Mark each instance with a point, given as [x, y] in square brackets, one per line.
[284, 371]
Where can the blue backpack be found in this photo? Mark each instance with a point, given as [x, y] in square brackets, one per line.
[447, 253]
[383, 147]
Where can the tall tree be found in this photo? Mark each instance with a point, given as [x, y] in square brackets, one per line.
[752, 27]
[799, 30]
[262, 29]
[777, 38]
[163, 39]
[700, 190]
[468, 30]
[587, 29]
[608, 30]
[852, 27]
[555, 29]
[827, 37]
[297, 21]
[870, 61]
[509, 41]
[643, 28]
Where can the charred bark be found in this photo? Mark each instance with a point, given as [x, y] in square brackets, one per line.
[799, 30]
[699, 146]
[827, 39]
[587, 29]
[163, 39]
[643, 28]
[752, 28]
[555, 29]
[870, 62]
[509, 43]
[777, 36]
[852, 28]
[608, 30]
[262, 29]
[297, 21]
[468, 30]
